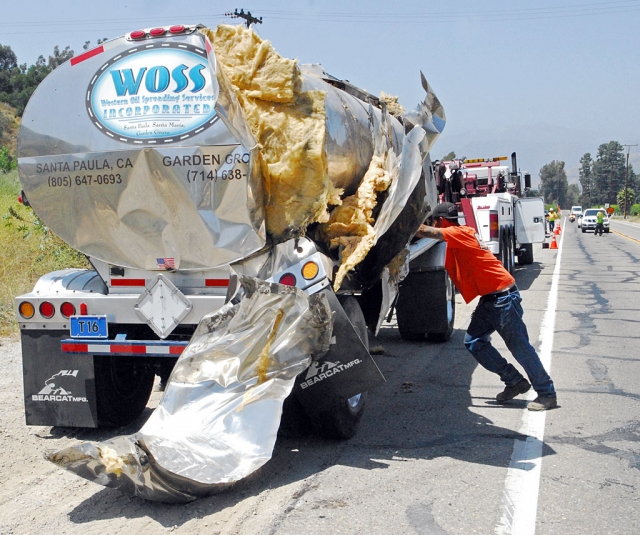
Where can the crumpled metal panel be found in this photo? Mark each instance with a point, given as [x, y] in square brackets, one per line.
[218, 419]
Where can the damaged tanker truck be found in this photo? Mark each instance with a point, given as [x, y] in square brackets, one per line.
[200, 173]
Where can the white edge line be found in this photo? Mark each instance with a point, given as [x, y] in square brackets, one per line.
[522, 484]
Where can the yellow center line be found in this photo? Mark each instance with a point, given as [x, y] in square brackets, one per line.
[625, 236]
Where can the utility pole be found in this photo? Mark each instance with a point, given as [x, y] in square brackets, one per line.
[626, 178]
[249, 19]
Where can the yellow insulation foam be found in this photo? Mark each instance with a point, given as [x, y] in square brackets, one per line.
[113, 463]
[351, 224]
[393, 106]
[288, 124]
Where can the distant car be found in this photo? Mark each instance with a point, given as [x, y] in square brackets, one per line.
[579, 218]
[588, 221]
[576, 210]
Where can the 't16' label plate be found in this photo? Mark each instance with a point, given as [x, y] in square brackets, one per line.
[89, 327]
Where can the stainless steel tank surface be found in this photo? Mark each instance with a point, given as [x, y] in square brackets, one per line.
[136, 152]
[122, 154]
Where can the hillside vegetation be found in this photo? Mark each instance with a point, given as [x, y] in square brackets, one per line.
[28, 250]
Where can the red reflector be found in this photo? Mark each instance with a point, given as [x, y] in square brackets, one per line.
[138, 34]
[128, 282]
[288, 279]
[128, 349]
[218, 283]
[176, 350]
[79, 59]
[494, 226]
[157, 31]
[178, 28]
[20, 199]
[75, 348]
[83, 309]
[47, 310]
[67, 309]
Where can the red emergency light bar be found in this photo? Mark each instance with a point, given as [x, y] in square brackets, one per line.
[176, 29]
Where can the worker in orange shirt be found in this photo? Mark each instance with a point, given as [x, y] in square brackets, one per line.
[475, 271]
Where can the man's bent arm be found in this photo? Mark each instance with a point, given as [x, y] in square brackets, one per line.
[429, 232]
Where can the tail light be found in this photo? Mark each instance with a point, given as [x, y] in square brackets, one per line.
[494, 226]
[67, 309]
[310, 270]
[47, 310]
[288, 279]
[26, 310]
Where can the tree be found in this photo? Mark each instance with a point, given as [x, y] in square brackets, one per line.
[609, 172]
[18, 82]
[554, 183]
[8, 59]
[587, 180]
[573, 195]
[625, 196]
[448, 157]
[88, 46]
[59, 57]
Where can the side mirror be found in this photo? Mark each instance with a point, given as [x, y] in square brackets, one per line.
[527, 181]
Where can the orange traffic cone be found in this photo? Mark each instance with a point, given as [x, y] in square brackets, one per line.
[553, 245]
[556, 230]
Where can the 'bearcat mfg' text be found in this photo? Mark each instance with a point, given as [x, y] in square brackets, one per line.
[329, 373]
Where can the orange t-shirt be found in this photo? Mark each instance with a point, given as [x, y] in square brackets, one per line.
[474, 271]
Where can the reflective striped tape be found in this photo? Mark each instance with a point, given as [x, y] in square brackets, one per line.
[111, 347]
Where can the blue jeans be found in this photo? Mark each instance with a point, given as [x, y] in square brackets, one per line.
[504, 316]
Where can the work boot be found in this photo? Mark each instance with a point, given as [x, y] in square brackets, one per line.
[511, 392]
[543, 403]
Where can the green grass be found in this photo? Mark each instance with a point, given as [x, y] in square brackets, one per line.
[28, 250]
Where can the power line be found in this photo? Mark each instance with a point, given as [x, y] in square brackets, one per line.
[395, 17]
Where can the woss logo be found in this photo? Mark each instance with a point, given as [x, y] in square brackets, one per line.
[162, 93]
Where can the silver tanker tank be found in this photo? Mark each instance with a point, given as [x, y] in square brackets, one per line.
[132, 153]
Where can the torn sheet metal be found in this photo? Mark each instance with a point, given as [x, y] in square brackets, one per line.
[218, 419]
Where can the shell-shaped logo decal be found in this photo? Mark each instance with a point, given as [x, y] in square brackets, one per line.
[154, 94]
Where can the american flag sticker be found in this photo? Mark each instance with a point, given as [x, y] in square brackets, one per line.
[166, 263]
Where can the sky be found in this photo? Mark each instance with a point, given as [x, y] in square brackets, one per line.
[548, 79]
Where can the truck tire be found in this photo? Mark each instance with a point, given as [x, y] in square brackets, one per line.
[341, 420]
[123, 387]
[442, 337]
[526, 254]
[502, 254]
[511, 254]
[426, 306]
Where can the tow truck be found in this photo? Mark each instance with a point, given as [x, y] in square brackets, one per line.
[491, 199]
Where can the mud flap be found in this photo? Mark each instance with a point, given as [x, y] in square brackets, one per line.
[59, 389]
[422, 302]
[345, 370]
